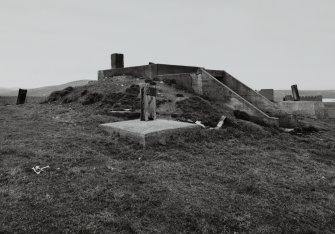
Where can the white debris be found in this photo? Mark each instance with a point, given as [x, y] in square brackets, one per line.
[38, 169]
[220, 123]
[200, 124]
[288, 129]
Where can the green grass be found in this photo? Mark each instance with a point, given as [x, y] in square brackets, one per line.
[226, 181]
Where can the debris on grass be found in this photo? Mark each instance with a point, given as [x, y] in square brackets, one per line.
[38, 169]
[200, 124]
[220, 123]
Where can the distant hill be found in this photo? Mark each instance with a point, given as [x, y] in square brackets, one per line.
[4, 90]
[43, 91]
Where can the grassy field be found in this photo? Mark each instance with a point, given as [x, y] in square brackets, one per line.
[228, 181]
[11, 100]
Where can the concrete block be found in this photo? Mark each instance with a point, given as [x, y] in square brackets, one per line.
[268, 93]
[117, 61]
[148, 132]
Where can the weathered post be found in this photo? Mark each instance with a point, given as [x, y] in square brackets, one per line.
[148, 102]
[144, 104]
[295, 92]
[21, 97]
[151, 94]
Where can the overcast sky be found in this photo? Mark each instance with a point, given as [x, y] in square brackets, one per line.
[263, 43]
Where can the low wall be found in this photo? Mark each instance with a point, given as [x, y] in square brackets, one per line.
[138, 71]
[163, 69]
[149, 71]
[304, 108]
[330, 109]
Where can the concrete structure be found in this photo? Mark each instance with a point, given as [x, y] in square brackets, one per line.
[268, 93]
[117, 61]
[305, 108]
[148, 132]
[330, 109]
[215, 85]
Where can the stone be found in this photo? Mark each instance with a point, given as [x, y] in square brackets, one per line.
[21, 98]
[148, 102]
[148, 132]
[295, 92]
[267, 93]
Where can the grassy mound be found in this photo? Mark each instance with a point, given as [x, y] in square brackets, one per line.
[59, 95]
[225, 181]
[197, 109]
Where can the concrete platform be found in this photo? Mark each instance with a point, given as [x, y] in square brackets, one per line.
[148, 132]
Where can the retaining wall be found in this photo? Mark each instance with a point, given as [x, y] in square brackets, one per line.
[246, 92]
[204, 84]
[304, 108]
[149, 71]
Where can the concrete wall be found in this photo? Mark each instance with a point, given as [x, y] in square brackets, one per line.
[137, 71]
[267, 93]
[330, 109]
[247, 93]
[215, 90]
[204, 84]
[304, 108]
[149, 71]
[174, 69]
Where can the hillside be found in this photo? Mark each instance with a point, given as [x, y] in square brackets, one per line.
[241, 178]
[43, 91]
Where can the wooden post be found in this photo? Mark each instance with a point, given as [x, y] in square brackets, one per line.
[21, 97]
[295, 93]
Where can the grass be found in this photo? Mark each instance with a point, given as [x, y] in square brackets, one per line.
[11, 100]
[234, 180]
[243, 178]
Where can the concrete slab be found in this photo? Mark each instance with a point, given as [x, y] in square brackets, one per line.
[148, 132]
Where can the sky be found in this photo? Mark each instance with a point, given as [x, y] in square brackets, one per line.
[263, 43]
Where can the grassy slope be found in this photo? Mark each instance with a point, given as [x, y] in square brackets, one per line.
[207, 181]
[43, 91]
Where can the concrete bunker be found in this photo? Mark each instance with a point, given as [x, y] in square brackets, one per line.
[216, 85]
